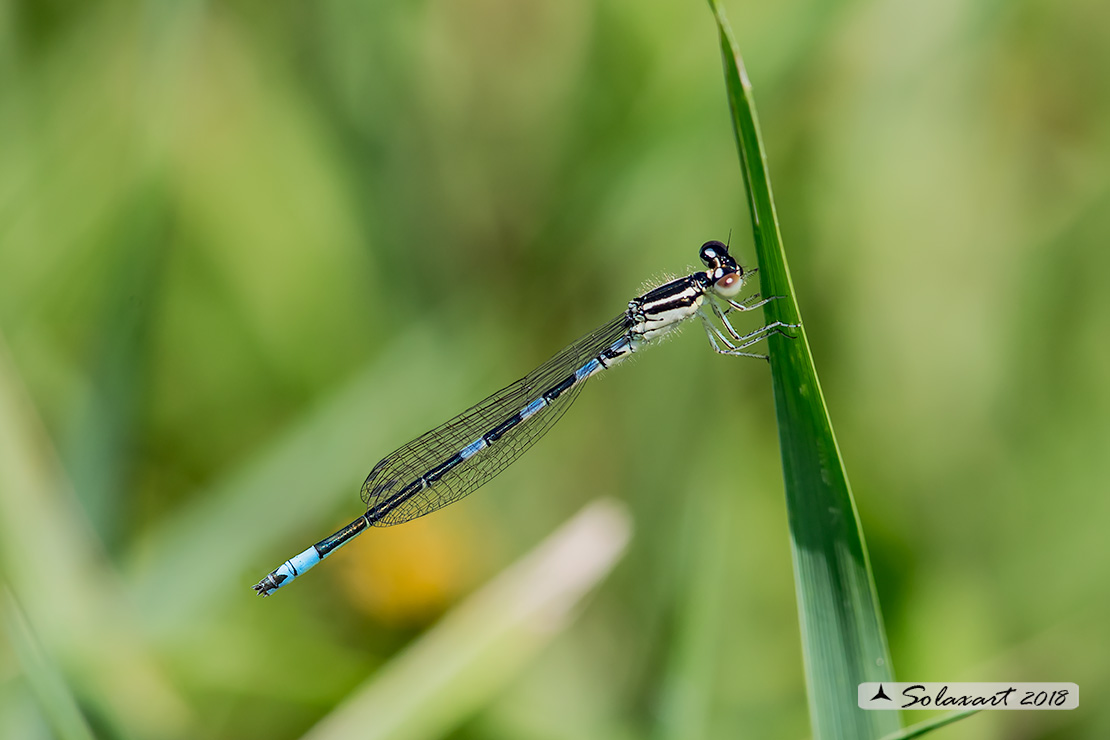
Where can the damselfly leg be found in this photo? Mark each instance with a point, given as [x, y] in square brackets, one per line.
[736, 342]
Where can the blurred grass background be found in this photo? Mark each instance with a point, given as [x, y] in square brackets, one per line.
[246, 250]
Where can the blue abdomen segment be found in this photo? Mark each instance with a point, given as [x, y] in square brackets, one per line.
[288, 570]
[298, 564]
[530, 410]
[587, 370]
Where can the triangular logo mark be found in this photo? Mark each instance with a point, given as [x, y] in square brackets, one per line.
[881, 694]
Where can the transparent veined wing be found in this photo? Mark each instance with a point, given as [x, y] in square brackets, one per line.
[394, 491]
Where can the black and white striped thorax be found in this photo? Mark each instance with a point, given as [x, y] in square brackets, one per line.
[660, 310]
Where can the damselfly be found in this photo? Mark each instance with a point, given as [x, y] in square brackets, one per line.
[459, 456]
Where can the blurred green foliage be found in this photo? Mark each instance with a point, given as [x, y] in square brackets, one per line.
[248, 249]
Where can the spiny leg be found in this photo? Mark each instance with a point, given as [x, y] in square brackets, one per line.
[747, 339]
[732, 330]
[747, 305]
[714, 334]
[736, 336]
[727, 324]
[763, 332]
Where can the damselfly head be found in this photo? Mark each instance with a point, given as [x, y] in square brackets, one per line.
[724, 274]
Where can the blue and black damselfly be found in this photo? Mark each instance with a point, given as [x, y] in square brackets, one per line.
[459, 456]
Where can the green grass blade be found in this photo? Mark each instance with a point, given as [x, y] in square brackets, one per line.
[481, 646]
[843, 640]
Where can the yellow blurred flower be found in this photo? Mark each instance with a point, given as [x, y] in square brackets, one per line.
[410, 574]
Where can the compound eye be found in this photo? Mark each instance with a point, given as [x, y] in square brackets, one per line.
[729, 285]
[711, 252]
